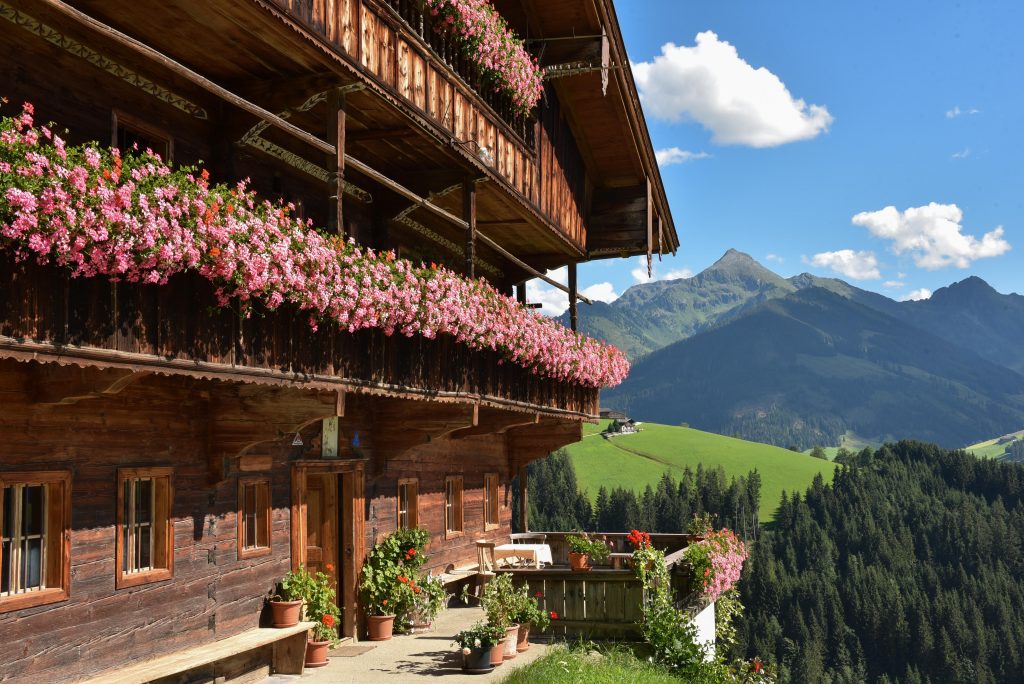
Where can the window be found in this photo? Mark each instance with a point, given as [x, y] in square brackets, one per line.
[408, 513]
[490, 501]
[130, 131]
[145, 537]
[453, 505]
[35, 520]
[253, 517]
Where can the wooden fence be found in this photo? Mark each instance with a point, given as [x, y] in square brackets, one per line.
[603, 603]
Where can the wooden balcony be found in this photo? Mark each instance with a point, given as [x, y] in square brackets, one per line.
[394, 46]
[606, 602]
[178, 329]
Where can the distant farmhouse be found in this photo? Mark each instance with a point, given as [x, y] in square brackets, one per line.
[625, 426]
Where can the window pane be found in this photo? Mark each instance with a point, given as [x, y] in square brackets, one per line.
[8, 511]
[31, 564]
[5, 571]
[32, 510]
[143, 501]
[144, 538]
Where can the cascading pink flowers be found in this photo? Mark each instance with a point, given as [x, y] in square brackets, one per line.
[134, 218]
[484, 36]
[717, 562]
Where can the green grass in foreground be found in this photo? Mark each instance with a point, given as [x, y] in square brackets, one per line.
[634, 461]
[571, 666]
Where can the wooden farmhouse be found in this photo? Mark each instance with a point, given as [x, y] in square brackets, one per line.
[168, 453]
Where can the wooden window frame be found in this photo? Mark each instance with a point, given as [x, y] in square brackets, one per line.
[491, 503]
[57, 553]
[412, 505]
[119, 118]
[163, 530]
[458, 507]
[264, 511]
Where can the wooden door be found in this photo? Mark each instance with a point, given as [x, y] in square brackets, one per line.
[322, 525]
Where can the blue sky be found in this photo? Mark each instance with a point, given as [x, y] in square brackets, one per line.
[792, 118]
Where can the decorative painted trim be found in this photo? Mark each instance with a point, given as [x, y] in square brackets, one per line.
[447, 244]
[120, 71]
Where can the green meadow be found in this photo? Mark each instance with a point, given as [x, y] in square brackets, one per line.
[637, 460]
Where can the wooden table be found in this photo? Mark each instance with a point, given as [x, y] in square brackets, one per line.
[534, 553]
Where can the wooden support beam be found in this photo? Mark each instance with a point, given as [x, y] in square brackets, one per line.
[521, 293]
[650, 227]
[369, 134]
[336, 118]
[469, 214]
[573, 313]
[524, 499]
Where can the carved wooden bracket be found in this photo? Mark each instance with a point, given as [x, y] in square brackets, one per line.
[496, 421]
[399, 425]
[528, 443]
[241, 417]
[52, 384]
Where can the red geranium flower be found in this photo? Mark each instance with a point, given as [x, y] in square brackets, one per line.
[329, 566]
[554, 615]
[539, 595]
[328, 620]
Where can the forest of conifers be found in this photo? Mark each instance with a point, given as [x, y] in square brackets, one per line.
[908, 568]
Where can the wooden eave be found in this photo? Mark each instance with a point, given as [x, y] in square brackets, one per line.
[598, 120]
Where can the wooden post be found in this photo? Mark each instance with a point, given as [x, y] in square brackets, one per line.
[469, 215]
[521, 292]
[336, 162]
[524, 500]
[572, 297]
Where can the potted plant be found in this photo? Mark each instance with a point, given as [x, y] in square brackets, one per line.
[477, 644]
[530, 615]
[501, 600]
[429, 599]
[389, 580]
[286, 602]
[323, 612]
[583, 549]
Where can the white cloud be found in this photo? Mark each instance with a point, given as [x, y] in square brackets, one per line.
[916, 295]
[956, 112]
[893, 283]
[711, 84]
[857, 265]
[602, 292]
[901, 275]
[640, 272]
[553, 301]
[962, 154]
[774, 257]
[932, 235]
[674, 155]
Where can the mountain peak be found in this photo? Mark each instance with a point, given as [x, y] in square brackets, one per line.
[735, 265]
[968, 288]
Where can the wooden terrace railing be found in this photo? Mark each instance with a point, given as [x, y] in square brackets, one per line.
[604, 603]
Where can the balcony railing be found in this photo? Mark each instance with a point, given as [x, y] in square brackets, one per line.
[606, 602]
[421, 24]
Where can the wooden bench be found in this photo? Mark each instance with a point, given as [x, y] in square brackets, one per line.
[289, 655]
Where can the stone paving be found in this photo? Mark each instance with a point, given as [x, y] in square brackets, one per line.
[413, 658]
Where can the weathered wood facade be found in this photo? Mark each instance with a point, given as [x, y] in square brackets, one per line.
[114, 392]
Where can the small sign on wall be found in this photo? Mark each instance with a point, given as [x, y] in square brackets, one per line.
[329, 438]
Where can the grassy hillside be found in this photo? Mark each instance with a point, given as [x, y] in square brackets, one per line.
[992, 448]
[634, 461]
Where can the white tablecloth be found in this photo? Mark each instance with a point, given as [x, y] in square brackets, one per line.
[540, 554]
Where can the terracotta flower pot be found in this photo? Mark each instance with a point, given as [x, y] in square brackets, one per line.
[380, 627]
[477, 661]
[579, 562]
[498, 652]
[285, 613]
[316, 653]
[523, 638]
[511, 639]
